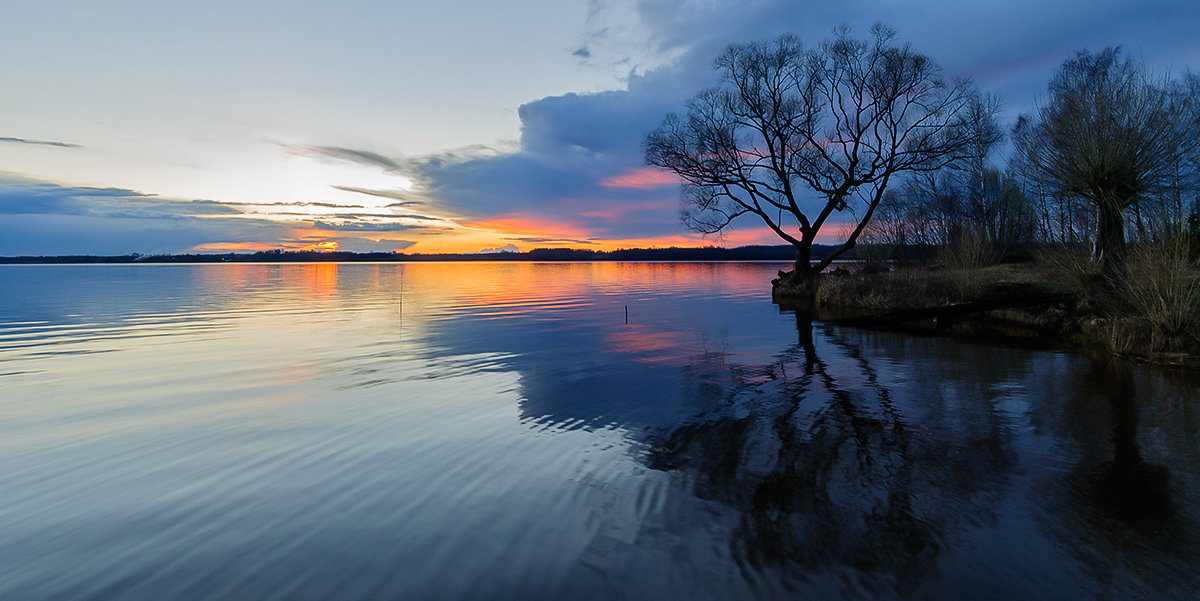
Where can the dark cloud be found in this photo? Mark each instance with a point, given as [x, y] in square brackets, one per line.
[582, 52]
[39, 142]
[50, 234]
[362, 157]
[400, 195]
[25, 197]
[67, 234]
[40, 218]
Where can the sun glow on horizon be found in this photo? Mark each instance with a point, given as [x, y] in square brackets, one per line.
[327, 246]
[524, 234]
[233, 247]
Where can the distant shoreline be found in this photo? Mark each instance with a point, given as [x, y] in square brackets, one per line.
[55, 261]
[707, 254]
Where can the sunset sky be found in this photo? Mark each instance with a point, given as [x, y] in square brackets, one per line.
[153, 127]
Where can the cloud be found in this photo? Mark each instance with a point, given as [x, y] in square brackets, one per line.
[41, 218]
[362, 157]
[384, 216]
[579, 161]
[641, 179]
[576, 175]
[19, 197]
[537, 240]
[340, 243]
[507, 248]
[363, 226]
[401, 195]
[362, 245]
[39, 142]
[67, 234]
[329, 205]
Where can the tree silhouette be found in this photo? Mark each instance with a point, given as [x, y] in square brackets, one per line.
[1112, 134]
[836, 123]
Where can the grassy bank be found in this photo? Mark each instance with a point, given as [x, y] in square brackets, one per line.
[1150, 313]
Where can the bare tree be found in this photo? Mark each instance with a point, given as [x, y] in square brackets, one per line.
[795, 135]
[1111, 134]
[980, 120]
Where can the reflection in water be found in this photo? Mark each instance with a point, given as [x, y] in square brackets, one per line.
[1126, 487]
[1115, 512]
[827, 471]
[581, 431]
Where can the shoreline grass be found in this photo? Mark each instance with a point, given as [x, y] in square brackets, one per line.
[1150, 314]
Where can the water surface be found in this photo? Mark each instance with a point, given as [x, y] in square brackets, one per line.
[555, 431]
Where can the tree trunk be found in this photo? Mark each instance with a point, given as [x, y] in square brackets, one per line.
[799, 284]
[1110, 239]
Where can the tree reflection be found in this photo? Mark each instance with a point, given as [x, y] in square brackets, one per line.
[1114, 512]
[1126, 487]
[828, 470]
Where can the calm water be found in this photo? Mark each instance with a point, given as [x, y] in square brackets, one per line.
[501, 431]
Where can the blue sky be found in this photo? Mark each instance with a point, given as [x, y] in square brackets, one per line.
[134, 126]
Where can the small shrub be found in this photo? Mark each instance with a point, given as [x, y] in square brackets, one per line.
[1161, 289]
[970, 251]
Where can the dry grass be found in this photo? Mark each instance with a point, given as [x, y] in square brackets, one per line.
[903, 289]
[924, 287]
[1159, 298]
[1071, 266]
[1152, 311]
[1153, 307]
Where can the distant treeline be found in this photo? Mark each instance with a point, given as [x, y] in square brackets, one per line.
[784, 252]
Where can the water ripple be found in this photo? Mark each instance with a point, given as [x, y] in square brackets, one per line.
[579, 431]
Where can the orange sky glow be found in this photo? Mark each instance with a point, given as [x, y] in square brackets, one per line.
[526, 232]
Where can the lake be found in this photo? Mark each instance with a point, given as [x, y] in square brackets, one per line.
[561, 431]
